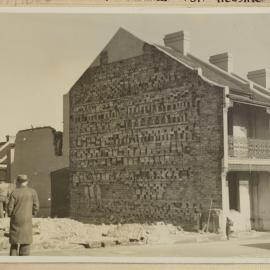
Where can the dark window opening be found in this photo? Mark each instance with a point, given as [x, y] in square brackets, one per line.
[234, 194]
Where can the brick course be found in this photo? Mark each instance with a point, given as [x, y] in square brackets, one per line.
[146, 141]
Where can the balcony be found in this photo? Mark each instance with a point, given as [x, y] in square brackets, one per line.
[246, 148]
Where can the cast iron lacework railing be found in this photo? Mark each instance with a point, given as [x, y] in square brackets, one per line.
[249, 148]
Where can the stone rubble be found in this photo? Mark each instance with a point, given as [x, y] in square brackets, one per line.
[64, 233]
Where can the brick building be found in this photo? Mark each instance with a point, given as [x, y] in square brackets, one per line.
[156, 134]
[38, 153]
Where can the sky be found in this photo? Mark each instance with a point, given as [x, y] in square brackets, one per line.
[42, 55]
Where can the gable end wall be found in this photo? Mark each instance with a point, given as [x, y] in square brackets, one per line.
[146, 142]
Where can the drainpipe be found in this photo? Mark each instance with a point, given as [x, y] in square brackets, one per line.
[225, 163]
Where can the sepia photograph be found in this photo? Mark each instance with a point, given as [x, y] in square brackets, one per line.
[135, 135]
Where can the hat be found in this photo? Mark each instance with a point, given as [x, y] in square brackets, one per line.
[22, 178]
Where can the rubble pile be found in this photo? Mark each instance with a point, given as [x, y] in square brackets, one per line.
[64, 233]
[55, 233]
[67, 233]
[150, 234]
[131, 232]
[161, 233]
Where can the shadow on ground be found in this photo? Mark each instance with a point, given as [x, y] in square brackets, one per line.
[259, 245]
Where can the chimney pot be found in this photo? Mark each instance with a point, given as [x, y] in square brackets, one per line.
[223, 61]
[179, 41]
[260, 76]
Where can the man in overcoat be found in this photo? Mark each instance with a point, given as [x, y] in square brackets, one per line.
[23, 204]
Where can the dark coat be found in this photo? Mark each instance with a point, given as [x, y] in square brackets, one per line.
[23, 204]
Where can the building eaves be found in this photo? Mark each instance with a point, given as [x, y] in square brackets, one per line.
[249, 101]
[240, 88]
[184, 61]
[209, 71]
[214, 75]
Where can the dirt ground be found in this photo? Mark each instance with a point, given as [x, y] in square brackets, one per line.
[64, 233]
[67, 237]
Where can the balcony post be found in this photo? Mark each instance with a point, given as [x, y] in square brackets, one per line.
[225, 162]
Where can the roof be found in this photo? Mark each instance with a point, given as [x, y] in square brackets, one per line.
[241, 90]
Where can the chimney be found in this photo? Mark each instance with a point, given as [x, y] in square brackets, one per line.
[223, 61]
[179, 41]
[261, 77]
